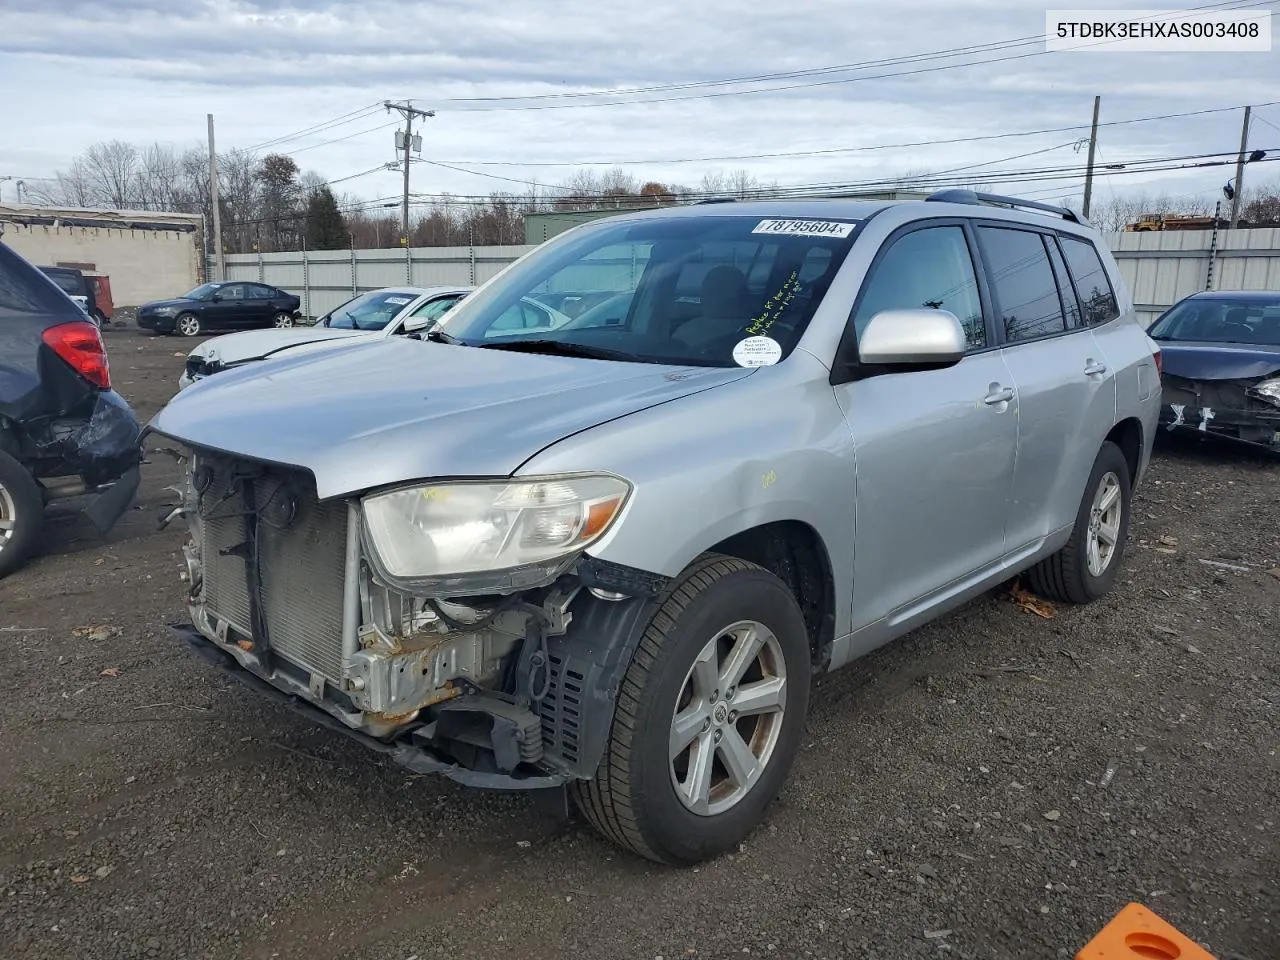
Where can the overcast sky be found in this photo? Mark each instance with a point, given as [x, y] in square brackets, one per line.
[144, 70]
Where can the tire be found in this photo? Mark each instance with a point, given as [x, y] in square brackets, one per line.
[21, 514]
[188, 325]
[1067, 575]
[282, 320]
[100, 319]
[635, 797]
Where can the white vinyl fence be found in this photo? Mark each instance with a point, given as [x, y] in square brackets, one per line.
[325, 279]
[1160, 267]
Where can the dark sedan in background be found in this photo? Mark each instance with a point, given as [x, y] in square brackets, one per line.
[1220, 354]
[233, 305]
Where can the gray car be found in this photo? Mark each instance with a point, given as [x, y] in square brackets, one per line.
[610, 556]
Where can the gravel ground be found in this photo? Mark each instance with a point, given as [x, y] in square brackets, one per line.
[995, 785]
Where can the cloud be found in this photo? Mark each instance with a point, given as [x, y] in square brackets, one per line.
[143, 70]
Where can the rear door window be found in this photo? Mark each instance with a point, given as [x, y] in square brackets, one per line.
[1022, 281]
[1092, 282]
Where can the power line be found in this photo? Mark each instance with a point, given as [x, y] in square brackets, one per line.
[862, 149]
[350, 136]
[365, 111]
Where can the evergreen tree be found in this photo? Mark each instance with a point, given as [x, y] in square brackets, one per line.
[326, 228]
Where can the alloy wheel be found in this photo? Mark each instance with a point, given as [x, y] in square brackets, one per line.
[728, 718]
[8, 517]
[1104, 524]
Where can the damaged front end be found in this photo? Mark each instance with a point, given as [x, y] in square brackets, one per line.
[480, 676]
[1246, 410]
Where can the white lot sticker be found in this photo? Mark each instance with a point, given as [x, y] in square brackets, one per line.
[805, 228]
[757, 352]
[400, 301]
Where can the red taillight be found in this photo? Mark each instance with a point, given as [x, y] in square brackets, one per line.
[80, 345]
[1159, 361]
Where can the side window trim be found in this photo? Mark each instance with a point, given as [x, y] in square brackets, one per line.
[1106, 273]
[1000, 332]
[1061, 263]
[847, 350]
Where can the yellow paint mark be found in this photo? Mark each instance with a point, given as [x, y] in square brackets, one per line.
[769, 479]
[435, 493]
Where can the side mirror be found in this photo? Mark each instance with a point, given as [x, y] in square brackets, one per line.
[216, 297]
[912, 338]
[415, 324]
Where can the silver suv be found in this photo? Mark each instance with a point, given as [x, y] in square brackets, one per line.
[609, 555]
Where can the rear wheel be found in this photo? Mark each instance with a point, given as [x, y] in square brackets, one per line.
[188, 324]
[21, 514]
[1084, 569]
[708, 718]
[282, 320]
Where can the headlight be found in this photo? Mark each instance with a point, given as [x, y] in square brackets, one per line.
[527, 530]
[165, 310]
[1268, 390]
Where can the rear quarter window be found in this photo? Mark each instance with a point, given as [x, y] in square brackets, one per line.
[24, 290]
[1092, 282]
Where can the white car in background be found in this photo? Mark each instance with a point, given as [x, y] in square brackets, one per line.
[389, 312]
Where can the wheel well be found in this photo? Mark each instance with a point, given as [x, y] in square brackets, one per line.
[794, 553]
[1127, 435]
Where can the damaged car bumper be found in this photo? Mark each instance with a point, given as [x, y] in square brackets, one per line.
[497, 689]
[1230, 409]
[96, 456]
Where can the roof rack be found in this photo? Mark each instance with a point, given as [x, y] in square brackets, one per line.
[995, 199]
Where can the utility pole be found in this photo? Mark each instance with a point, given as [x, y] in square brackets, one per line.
[1093, 149]
[220, 257]
[1239, 186]
[408, 111]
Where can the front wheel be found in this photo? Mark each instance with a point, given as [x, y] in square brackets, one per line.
[188, 324]
[282, 320]
[21, 514]
[708, 718]
[1084, 569]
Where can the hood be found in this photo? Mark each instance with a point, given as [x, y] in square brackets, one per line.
[398, 410]
[1197, 360]
[256, 344]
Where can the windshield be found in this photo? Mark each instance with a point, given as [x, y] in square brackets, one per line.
[202, 292]
[682, 290]
[372, 311]
[1252, 320]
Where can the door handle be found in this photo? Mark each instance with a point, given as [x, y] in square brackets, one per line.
[998, 395]
[1094, 368]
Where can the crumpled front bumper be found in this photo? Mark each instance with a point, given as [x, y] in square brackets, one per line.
[1219, 408]
[406, 753]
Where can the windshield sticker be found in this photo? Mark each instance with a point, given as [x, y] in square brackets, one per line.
[804, 228]
[399, 301]
[757, 352]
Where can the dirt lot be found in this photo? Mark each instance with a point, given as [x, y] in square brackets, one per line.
[950, 797]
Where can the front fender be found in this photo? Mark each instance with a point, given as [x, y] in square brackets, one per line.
[771, 447]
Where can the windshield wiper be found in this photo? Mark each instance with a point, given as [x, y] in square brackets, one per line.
[439, 336]
[561, 349]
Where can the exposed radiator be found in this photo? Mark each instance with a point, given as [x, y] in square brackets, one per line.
[302, 555]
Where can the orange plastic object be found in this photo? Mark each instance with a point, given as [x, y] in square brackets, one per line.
[1135, 933]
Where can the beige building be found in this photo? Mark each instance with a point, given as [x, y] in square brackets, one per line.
[146, 255]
